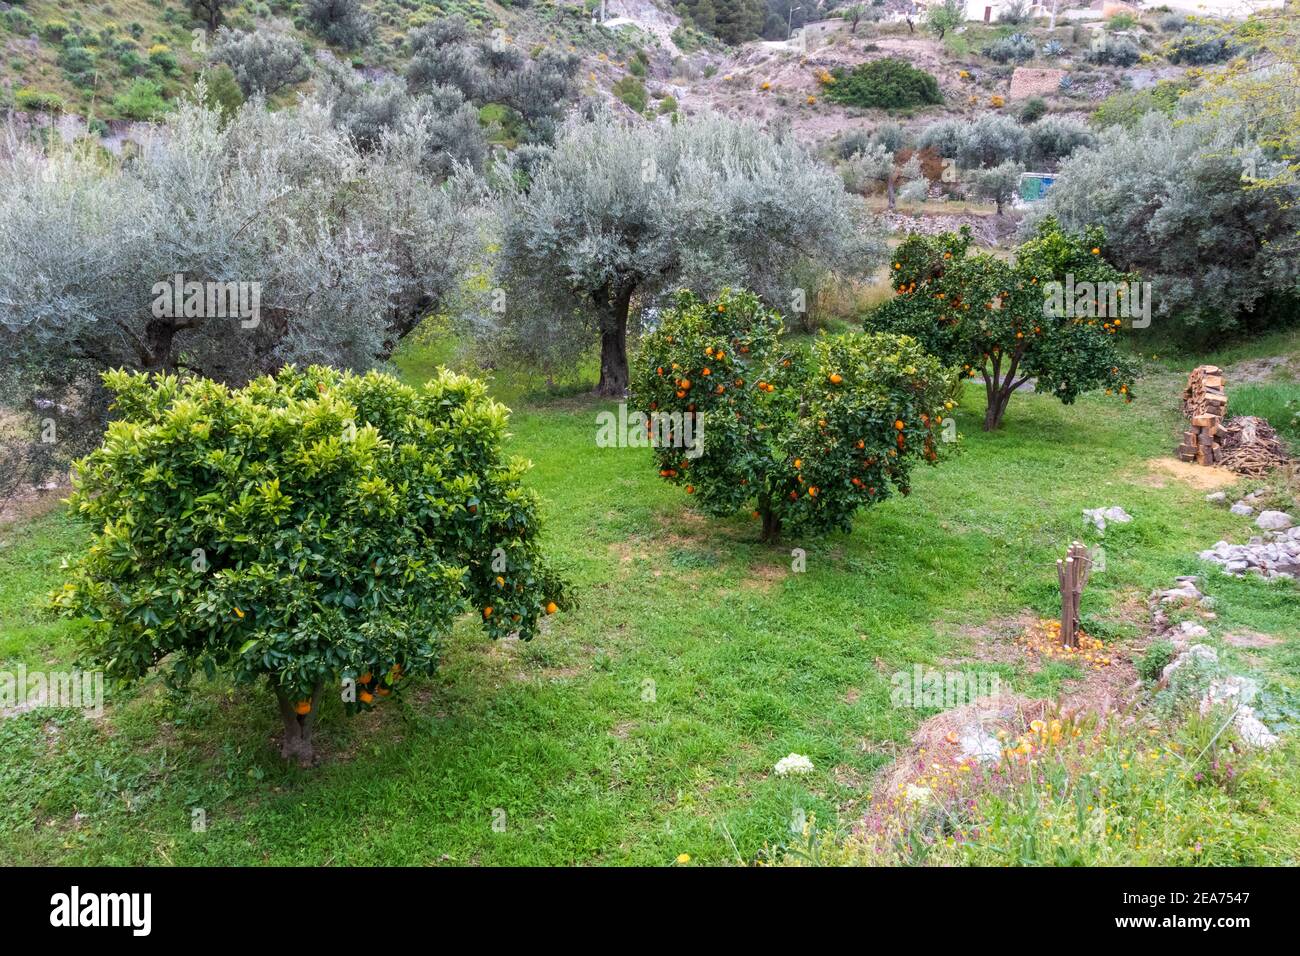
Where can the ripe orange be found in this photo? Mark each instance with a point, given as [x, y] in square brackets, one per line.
[899, 424]
[487, 612]
[551, 607]
[365, 697]
[302, 708]
[690, 489]
[836, 378]
[798, 462]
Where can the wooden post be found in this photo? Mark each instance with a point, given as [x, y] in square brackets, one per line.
[1072, 575]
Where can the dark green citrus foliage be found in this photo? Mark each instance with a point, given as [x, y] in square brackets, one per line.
[992, 317]
[887, 84]
[307, 528]
[804, 438]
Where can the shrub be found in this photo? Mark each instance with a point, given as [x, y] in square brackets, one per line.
[994, 318]
[1201, 47]
[1033, 110]
[884, 84]
[319, 530]
[143, 100]
[1126, 107]
[1015, 12]
[1017, 47]
[803, 439]
[631, 91]
[38, 100]
[1155, 660]
[1120, 51]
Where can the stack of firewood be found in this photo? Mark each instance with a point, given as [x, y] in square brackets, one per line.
[1204, 402]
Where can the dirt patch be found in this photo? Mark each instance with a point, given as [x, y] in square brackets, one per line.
[1206, 478]
[994, 642]
[1261, 370]
[1251, 639]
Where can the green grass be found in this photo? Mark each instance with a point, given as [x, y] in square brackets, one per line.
[646, 722]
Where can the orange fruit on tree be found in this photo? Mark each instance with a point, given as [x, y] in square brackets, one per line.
[365, 697]
[487, 612]
[551, 607]
[302, 708]
[836, 378]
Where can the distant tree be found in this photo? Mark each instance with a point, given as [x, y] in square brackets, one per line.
[998, 185]
[945, 16]
[874, 165]
[617, 211]
[211, 12]
[739, 20]
[265, 61]
[346, 23]
[537, 89]
[1053, 138]
[451, 134]
[854, 14]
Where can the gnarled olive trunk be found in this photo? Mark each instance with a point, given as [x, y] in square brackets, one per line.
[297, 742]
[613, 309]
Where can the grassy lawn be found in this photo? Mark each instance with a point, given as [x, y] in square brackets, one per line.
[645, 723]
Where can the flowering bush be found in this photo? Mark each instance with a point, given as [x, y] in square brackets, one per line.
[805, 439]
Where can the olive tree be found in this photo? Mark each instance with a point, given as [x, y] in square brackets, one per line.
[264, 61]
[537, 88]
[346, 23]
[225, 248]
[617, 211]
[1211, 223]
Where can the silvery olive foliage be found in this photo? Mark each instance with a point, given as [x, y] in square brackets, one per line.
[620, 210]
[266, 61]
[1180, 203]
[537, 88]
[346, 23]
[372, 112]
[998, 183]
[994, 139]
[1053, 138]
[347, 249]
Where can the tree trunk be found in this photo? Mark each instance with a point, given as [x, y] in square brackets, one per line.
[613, 347]
[890, 195]
[297, 742]
[771, 523]
[159, 334]
[999, 398]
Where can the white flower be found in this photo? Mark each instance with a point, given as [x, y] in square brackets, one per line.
[794, 763]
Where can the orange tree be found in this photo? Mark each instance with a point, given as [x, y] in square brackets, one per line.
[1047, 316]
[804, 438]
[316, 529]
